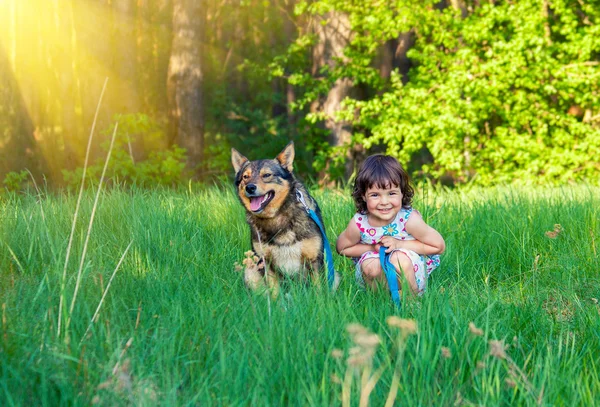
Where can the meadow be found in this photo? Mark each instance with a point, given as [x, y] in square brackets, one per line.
[150, 311]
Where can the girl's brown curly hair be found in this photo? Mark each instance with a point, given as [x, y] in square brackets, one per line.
[382, 171]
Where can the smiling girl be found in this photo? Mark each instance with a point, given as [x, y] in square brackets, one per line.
[383, 195]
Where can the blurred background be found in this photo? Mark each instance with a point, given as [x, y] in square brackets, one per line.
[462, 92]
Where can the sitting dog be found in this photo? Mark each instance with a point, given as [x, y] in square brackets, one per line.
[285, 240]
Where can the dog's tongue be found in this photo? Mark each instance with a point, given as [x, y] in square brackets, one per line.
[255, 203]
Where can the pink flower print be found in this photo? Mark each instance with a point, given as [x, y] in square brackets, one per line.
[416, 268]
[360, 227]
[371, 232]
[401, 220]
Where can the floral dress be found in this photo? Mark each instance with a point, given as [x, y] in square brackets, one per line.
[423, 264]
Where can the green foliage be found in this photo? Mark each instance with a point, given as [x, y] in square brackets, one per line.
[509, 93]
[162, 166]
[248, 104]
[16, 181]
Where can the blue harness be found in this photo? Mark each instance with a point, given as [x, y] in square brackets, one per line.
[328, 255]
[390, 274]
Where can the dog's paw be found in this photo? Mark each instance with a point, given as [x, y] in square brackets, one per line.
[336, 281]
[253, 262]
[254, 270]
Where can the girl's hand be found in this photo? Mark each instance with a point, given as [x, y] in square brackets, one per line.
[390, 243]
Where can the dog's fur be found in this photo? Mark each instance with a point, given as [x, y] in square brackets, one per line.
[282, 234]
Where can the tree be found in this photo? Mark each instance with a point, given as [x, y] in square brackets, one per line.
[333, 34]
[125, 57]
[18, 145]
[496, 92]
[185, 81]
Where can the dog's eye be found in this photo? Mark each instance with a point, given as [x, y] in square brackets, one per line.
[267, 175]
[246, 176]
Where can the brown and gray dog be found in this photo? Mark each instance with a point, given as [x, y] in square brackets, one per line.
[285, 240]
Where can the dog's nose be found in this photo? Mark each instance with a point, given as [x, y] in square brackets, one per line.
[250, 188]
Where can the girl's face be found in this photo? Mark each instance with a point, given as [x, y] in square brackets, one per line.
[383, 204]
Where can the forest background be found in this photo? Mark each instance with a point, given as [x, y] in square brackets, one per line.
[480, 92]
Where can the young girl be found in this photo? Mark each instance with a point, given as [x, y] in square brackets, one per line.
[383, 195]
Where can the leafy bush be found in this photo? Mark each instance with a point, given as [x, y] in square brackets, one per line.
[16, 181]
[162, 166]
[510, 92]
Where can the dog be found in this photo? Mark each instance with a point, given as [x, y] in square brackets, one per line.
[286, 242]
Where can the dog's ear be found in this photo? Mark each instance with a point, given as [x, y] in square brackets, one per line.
[237, 160]
[286, 157]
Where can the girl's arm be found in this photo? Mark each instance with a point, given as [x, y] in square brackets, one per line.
[348, 242]
[428, 240]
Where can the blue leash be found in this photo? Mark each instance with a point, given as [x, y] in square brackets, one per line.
[390, 274]
[328, 255]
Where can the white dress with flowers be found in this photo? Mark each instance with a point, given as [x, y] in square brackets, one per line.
[423, 265]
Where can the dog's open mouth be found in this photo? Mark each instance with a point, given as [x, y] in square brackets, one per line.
[258, 203]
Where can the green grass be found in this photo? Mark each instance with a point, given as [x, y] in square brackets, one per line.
[178, 328]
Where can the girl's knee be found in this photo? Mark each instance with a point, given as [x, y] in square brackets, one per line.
[400, 258]
[371, 270]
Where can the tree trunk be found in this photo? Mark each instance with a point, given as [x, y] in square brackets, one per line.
[125, 90]
[393, 56]
[18, 145]
[184, 81]
[285, 15]
[333, 37]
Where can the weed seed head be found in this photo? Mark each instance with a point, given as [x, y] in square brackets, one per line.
[406, 326]
[358, 360]
[337, 353]
[497, 349]
[554, 233]
[356, 329]
[474, 330]
[446, 352]
[367, 340]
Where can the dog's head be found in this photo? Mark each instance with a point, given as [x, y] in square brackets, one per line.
[264, 185]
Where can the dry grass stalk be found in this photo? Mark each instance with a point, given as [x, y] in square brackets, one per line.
[389, 402]
[4, 330]
[89, 232]
[75, 215]
[94, 318]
